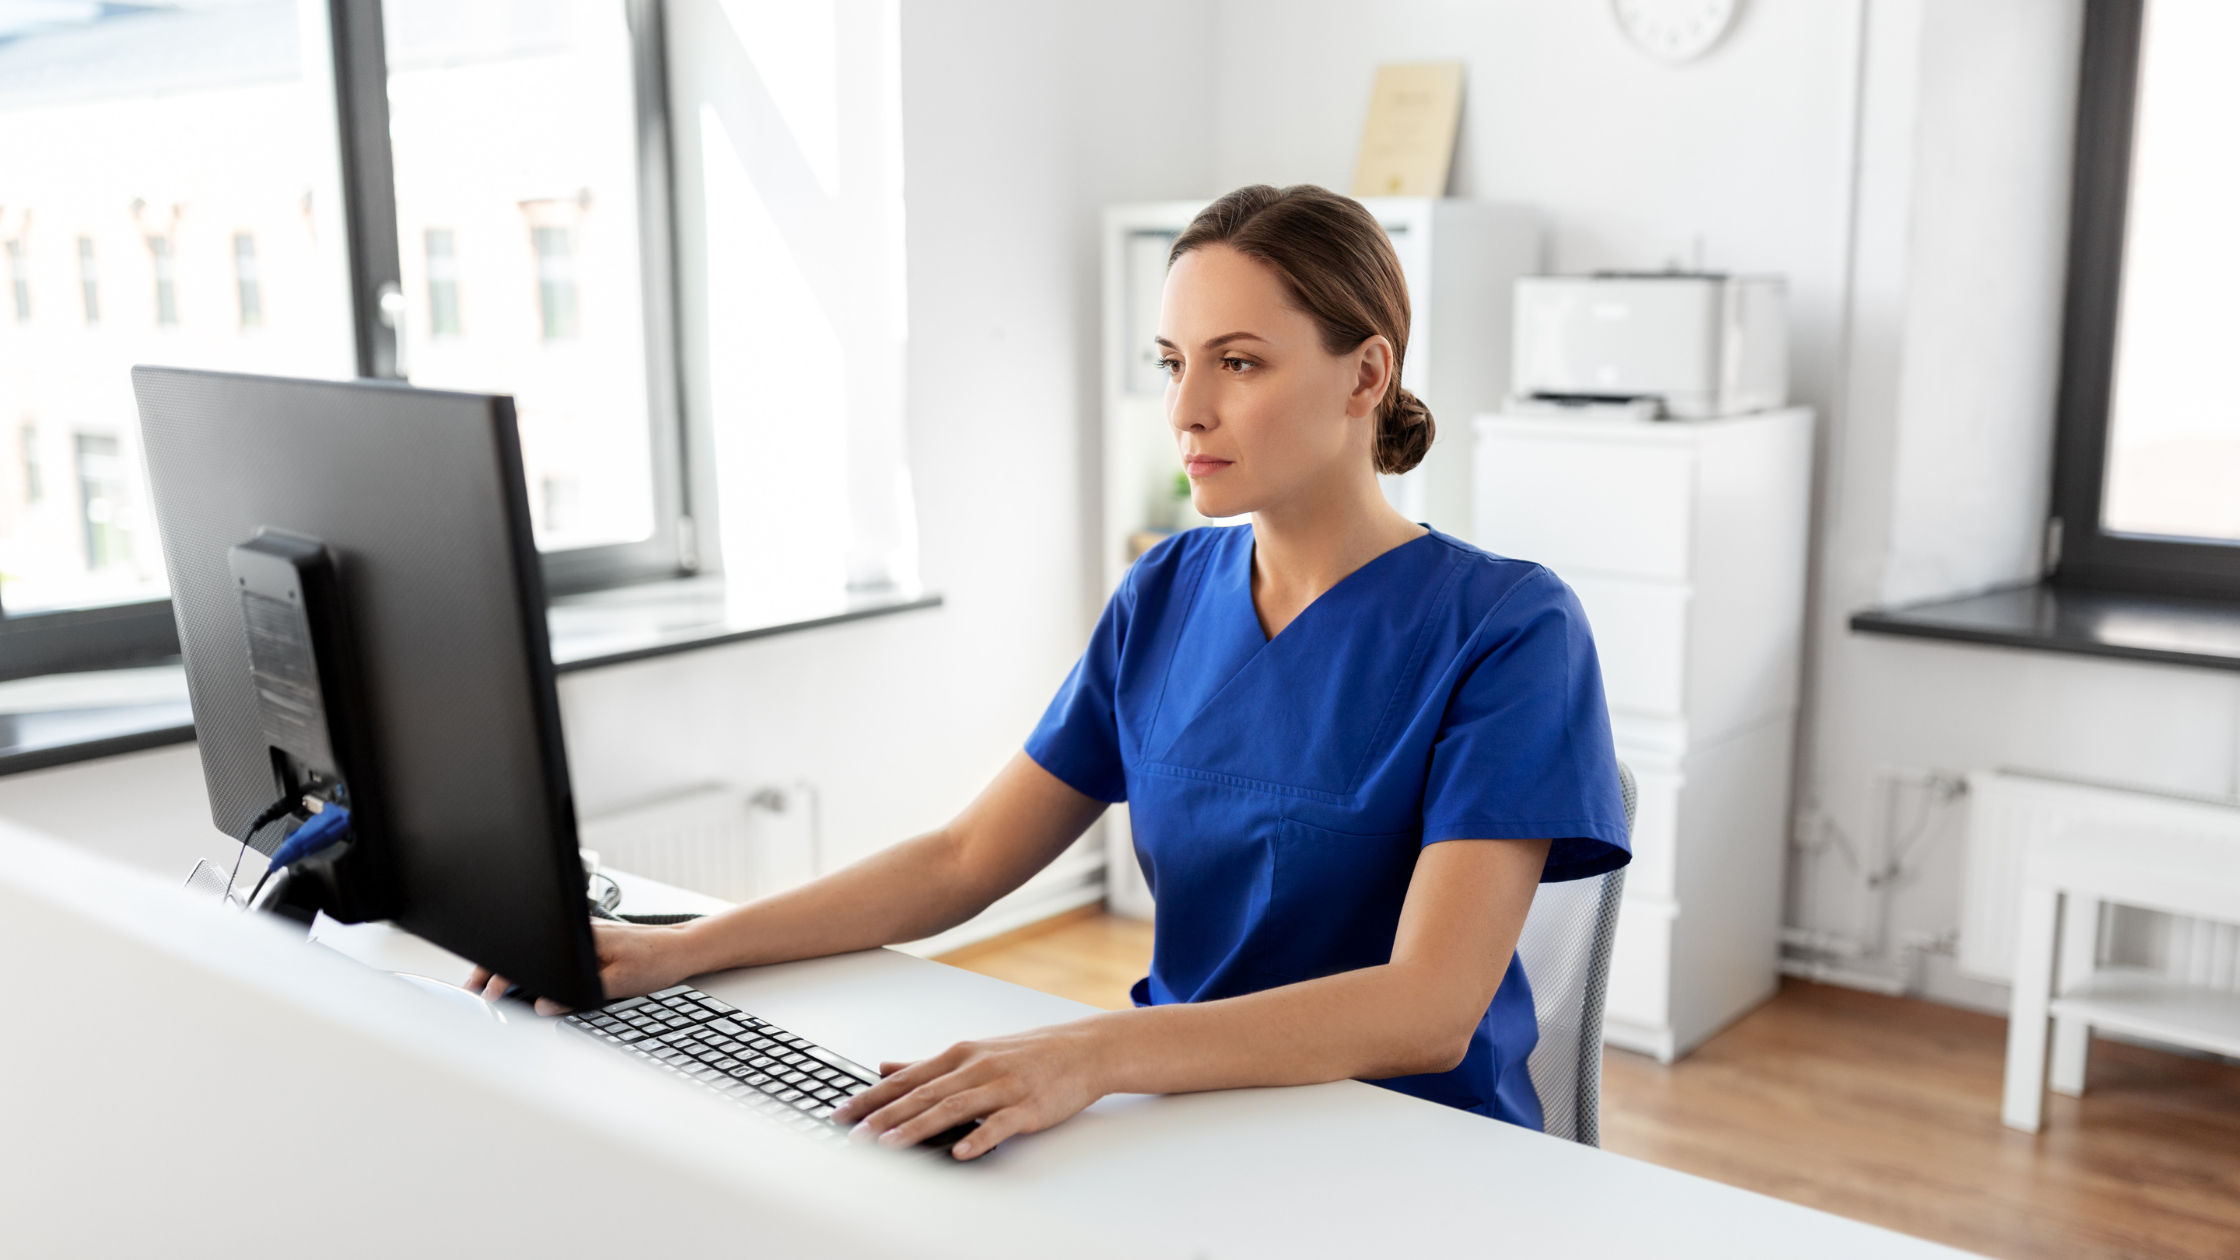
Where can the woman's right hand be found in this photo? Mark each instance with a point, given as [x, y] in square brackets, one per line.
[634, 959]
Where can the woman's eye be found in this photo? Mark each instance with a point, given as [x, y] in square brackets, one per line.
[1235, 364]
[1170, 366]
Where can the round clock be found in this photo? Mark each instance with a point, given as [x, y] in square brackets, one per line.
[1674, 30]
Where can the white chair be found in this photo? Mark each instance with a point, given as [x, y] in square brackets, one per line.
[1565, 948]
[2191, 871]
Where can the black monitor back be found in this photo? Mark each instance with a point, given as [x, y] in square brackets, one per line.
[419, 496]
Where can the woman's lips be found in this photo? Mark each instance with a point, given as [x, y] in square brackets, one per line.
[1204, 465]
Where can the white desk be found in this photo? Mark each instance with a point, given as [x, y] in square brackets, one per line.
[1342, 1170]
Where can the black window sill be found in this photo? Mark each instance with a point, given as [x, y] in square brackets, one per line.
[2165, 629]
[610, 627]
[35, 741]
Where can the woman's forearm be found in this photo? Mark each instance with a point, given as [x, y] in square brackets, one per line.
[1392, 1020]
[913, 890]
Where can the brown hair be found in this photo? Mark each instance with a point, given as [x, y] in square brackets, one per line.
[1339, 267]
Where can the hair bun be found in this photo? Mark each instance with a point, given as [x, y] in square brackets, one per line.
[1404, 432]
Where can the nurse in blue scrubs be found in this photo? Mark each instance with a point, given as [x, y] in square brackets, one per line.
[1351, 746]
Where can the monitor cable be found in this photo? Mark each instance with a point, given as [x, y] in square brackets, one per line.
[270, 814]
[327, 827]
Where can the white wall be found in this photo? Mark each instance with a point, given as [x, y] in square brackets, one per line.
[1937, 477]
[1634, 162]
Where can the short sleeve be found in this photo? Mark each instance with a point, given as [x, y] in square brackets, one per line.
[1078, 739]
[1524, 750]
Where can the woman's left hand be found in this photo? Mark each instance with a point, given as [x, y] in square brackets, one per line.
[1017, 1084]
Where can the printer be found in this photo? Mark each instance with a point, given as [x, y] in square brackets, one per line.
[1677, 344]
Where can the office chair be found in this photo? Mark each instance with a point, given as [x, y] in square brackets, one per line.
[1566, 952]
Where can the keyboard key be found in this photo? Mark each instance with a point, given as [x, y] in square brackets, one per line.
[726, 1026]
[672, 991]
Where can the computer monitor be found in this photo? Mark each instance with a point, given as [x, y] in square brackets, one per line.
[406, 517]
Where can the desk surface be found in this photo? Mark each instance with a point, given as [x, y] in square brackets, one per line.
[1343, 1170]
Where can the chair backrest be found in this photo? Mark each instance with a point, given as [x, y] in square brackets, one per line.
[1565, 949]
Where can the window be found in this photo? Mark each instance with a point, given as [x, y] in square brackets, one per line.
[167, 288]
[19, 280]
[177, 131]
[34, 480]
[443, 282]
[2147, 480]
[89, 281]
[561, 248]
[248, 296]
[556, 283]
[518, 160]
[105, 503]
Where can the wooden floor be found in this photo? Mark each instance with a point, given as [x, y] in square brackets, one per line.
[1880, 1109]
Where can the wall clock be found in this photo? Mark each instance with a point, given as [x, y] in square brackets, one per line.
[1674, 30]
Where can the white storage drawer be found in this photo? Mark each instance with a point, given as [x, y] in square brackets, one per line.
[1641, 638]
[1656, 832]
[1586, 506]
[1641, 971]
[1685, 541]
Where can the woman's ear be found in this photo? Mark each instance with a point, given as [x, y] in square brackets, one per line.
[1372, 377]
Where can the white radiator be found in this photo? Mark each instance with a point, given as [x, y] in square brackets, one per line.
[740, 844]
[2007, 809]
[718, 839]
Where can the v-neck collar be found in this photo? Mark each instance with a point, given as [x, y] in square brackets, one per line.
[1252, 611]
[1220, 650]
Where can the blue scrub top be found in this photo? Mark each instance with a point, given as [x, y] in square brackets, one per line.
[1280, 790]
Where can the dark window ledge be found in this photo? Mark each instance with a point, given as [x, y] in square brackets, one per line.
[2166, 629]
[35, 741]
[631, 623]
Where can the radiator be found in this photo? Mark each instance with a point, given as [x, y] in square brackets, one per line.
[717, 839]
[741, 844]
[2008, 809]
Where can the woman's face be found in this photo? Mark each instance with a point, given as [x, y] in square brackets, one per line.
[1263, 414]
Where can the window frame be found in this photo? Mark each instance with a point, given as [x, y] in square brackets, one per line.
[140, 633]
[2080, 552]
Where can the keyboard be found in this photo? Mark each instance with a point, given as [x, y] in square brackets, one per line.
[750, 1061]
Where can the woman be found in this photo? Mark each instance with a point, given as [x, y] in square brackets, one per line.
[1351, 746]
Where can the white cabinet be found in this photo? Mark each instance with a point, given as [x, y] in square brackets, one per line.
[1685, 541]
[1461, 259]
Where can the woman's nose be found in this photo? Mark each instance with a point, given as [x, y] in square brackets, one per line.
[1190, 403]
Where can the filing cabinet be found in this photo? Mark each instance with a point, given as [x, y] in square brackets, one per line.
[1685, 541]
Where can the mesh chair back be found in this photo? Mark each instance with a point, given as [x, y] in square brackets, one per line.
[1566, 953]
